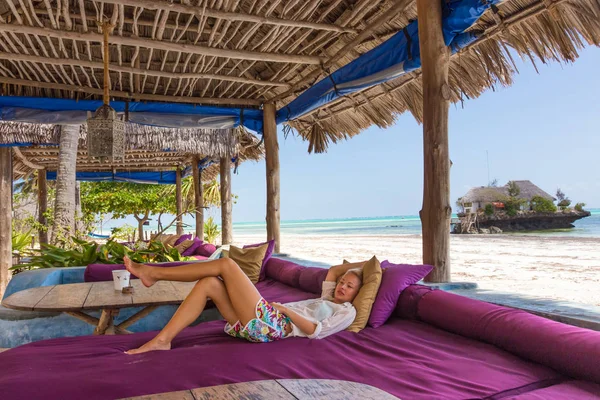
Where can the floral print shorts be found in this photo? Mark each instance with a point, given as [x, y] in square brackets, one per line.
[268, 326]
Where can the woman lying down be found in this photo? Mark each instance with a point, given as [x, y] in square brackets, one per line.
[249, 316]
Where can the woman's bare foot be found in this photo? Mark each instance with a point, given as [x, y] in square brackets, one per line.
[154, 344]
[142, 271]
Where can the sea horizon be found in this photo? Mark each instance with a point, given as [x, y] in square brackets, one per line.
[371, 226]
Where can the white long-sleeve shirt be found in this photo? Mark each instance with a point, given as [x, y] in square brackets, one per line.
[329, 317]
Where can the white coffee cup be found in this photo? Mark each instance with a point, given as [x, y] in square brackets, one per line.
[121, 279]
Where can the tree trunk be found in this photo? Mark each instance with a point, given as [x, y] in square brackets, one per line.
[141, 225]
[198, 198]
[436, 212]
[179, 201]
[42, 205]
[272, 167]
[226, 225]
[5, 217]
[64, 208]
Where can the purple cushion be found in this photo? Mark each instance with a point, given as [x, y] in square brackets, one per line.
[396, 277]
[568, 349]
[284, 271]
[206, 250]
[190, 251]
[182, 238]
[311, 279]
[268, 255]
[103, 272]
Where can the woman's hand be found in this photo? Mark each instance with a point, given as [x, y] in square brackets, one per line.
[280, 307]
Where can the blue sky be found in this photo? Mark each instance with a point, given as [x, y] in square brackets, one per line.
[544, 128]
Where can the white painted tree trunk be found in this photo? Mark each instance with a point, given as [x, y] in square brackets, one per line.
[5, 217]
[64, 208]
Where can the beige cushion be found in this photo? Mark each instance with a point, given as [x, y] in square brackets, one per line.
[183, 246]
[250, 259]
[363, 302]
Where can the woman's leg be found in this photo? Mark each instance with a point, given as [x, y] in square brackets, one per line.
[190, 309]
[242, 292]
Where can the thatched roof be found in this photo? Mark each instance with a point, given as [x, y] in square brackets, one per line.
[489, 194]
[250, 52]
[147, 149]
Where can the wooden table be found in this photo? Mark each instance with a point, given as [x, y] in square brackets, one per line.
[76, 298]
[280, 389]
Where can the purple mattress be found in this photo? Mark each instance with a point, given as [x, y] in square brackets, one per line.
[406, 357]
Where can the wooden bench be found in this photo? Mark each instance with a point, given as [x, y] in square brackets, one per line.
[279, 389]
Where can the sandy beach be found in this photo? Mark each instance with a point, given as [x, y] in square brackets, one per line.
[558, 268]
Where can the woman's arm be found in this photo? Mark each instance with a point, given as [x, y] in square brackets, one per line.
[305, 325]
[338, 270]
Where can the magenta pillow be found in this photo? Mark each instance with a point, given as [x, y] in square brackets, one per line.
[311, 279]
[182, 238]
[268, 254]
[190, 251]
[396, 277]
[284, 271]
[205, 250]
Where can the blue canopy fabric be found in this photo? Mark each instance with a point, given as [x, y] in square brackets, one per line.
[155, 178]
[395, 57]
[68, 111]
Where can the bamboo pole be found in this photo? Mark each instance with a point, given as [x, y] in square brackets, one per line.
[164, 45]
[226, 223]
[127, 95]
[272, 168]
[179, 201]
[5, 217]
[42, 205]
[198, 198]
[228, 15]
[136, 70]
[436, 211]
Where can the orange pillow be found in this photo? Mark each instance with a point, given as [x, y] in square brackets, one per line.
[363, 302]
[249, 259]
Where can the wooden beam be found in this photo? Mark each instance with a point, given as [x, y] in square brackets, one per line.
[272, 167]
[228, 15]
[164, 45]
[42, 205]
[226, 223]
[120, 94]
[365, 33]
[436, 211]
[198, 197]
[142, 71]
[179, 202]
[5, 217]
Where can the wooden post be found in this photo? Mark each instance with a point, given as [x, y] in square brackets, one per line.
[179, 201]
[272, 166]
[436, 211]
[42, 204]
[5, 217]
[226, 228]
[198, 198]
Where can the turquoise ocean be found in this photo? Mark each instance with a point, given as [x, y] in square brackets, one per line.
[391, 225]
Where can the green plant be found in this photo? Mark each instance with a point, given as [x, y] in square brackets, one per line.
[489, 209]
[21, 241]
[211, 231]
[513, 189]
[541, 204]
[579, 206]
[564, 204]
[125, 232]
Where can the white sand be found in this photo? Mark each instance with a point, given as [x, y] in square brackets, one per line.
[559, 268]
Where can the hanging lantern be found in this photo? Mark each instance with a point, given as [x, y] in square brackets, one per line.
[105, 131]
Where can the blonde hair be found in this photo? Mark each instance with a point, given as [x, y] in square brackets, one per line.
[358, 272]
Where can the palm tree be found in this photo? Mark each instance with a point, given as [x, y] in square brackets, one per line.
[64, 207]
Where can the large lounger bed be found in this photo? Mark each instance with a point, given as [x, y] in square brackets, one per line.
[437, 345]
